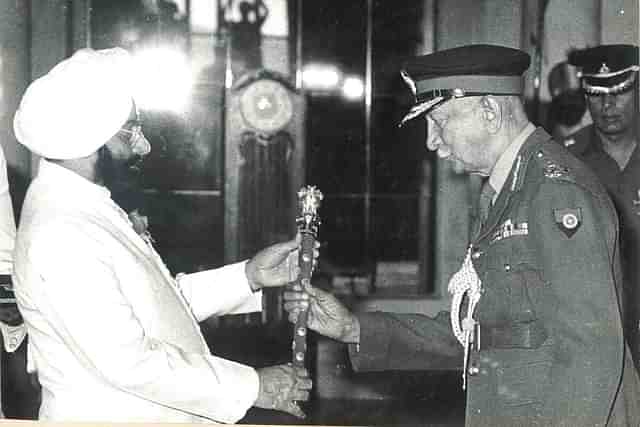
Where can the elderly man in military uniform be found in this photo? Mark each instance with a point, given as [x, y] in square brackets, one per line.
[608, 75]
[535, 318]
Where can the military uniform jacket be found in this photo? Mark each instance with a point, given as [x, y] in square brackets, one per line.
[624, 188]
[551, 350]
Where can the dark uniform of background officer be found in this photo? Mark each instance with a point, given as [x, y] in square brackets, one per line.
[542, 328]
[609, 76]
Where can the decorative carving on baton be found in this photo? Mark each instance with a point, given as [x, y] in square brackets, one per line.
[308, 224]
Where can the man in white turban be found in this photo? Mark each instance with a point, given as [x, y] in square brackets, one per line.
[113, 336]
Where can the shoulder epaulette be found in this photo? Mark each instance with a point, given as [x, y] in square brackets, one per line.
[553, 167]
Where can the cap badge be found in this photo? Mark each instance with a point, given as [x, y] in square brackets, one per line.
[604, 69]
[568, 220]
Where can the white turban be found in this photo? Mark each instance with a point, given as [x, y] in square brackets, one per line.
[75, 108]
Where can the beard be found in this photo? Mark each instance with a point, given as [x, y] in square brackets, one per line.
[122, 177]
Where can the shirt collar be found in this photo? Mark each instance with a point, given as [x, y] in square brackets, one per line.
[501, 170]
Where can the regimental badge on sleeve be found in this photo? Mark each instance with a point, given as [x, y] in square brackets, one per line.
[569, 220]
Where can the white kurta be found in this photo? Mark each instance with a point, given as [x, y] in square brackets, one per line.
[113, 336]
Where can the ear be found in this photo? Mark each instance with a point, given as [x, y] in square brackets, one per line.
[491, 113]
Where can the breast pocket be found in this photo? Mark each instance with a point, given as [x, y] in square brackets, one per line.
[513, 296]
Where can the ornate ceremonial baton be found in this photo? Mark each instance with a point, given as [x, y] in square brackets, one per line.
[308, 223]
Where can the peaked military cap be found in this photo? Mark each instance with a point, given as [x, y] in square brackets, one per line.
[606, 68]
[478, 69]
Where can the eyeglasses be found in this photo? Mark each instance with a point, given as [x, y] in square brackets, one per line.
[137, 141]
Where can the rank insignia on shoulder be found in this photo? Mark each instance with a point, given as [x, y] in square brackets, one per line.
[568, 220]
[553, 170]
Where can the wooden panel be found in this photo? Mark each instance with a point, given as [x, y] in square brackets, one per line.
[14, 77]
[261, 181]
[49, 41]
[619, 21]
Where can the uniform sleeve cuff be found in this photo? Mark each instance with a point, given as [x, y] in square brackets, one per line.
[371, 352]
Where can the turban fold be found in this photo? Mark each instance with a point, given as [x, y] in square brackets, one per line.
[76, 107]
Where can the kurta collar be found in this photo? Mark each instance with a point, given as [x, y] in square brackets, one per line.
[503, 166]
[75, 184]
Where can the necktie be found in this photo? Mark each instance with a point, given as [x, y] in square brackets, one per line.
[486, 198]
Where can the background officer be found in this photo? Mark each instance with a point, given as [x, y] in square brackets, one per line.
[609, 75]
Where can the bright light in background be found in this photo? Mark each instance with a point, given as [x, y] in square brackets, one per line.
[353, 88]
[277, 23]
[164, 79]
[320, 77]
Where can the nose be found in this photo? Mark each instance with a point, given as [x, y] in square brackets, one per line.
[141, 145]
[608, 101]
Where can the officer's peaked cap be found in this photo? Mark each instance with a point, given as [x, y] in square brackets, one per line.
[606, 68]
[478, 69]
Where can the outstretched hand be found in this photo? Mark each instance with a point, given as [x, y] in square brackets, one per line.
[327, 315]
[281, 386]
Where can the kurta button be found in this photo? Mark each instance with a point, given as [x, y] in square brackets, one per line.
[507, 267]
[473, 370]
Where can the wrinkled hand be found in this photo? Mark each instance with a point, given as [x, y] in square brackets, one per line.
[276, 265]
[327, 315]
[10, 315]
[281, 386]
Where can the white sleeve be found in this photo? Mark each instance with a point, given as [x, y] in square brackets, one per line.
[86, 306]
[220, 291]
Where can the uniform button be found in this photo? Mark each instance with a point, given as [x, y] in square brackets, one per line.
[507, 267]
[476, 254]
[540, 154]
[473, 370]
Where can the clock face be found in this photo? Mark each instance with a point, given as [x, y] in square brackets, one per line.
[266, 106]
